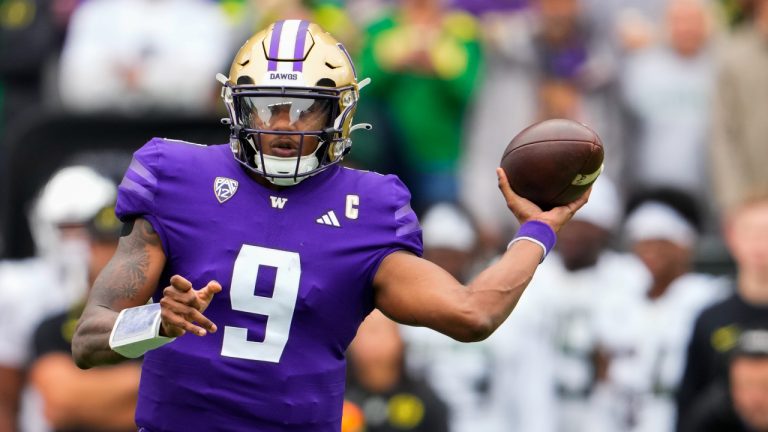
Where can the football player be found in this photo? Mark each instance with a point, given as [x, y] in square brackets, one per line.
[271, 260]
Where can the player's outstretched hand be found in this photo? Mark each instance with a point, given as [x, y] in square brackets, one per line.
[182, 308]
[524, 210]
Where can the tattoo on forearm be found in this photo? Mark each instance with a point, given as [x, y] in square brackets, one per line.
[126, 276]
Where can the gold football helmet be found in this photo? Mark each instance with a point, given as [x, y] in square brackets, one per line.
[292, 67]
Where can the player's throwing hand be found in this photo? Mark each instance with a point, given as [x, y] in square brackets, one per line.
[182, 308]
[525, 210]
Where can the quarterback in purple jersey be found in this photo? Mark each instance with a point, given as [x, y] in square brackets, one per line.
[271, 260]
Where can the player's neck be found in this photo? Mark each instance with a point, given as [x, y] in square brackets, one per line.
[662, 282]
[753, 288]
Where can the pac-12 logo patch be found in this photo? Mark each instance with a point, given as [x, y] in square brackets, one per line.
[224, 188]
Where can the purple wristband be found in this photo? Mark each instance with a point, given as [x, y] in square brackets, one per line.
[537, 232]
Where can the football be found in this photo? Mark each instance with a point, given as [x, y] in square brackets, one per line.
[553, 162]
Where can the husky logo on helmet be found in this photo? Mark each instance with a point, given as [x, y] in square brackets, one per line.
[292, 67]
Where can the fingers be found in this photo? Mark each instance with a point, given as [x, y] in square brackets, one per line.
[506, 189]
[581, 201]
[178, 319]
[183, 307]
[522, 208]
[559, 216]
[207, 292]
[180, 283]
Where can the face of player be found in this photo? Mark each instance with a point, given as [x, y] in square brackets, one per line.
[749, 389]
[665, 260]
[286, 114]
[747, 237]
[580, 244]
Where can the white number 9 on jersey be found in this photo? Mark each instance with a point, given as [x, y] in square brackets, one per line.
[279, 308]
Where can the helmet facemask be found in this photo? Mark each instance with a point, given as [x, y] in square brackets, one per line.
[290, 120]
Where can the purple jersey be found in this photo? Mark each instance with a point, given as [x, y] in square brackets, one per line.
[296, 266]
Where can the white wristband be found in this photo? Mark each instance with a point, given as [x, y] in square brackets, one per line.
[137, 330]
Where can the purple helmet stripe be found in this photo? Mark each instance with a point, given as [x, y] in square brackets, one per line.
[274, 45]
[298, 52]
[344, 50]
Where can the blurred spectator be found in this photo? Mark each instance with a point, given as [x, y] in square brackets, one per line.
[742, 404]
[450, 239]
[543, 62]
[463, 375]
[49, 282]
[73, 399]
[717, 329]
[124, 56]
[736, 12]
[27, 42]
[390, 399]
[481, 7]
[332, 15]
[424, 62]
[569, 290]
[667, 89]
[27, 33]
[646, 353]
[577, 71]
[739, 150]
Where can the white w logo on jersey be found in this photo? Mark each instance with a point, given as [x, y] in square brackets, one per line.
[278, 202]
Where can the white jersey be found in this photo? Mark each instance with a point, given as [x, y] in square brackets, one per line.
[30, 290]
[648, 351]
[500, 384]
[570, 303]
[461, 374]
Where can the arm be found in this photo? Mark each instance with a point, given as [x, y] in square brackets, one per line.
[128, 280]
[726, 147]
[414, 291]
[11, 383]
[103, 397]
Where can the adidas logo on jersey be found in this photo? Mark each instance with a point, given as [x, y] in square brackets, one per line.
[329, 219]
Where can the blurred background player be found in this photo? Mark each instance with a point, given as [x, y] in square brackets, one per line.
[50, 282]
[461, 374]
[645, 354]
[569, 291]
[390, 398]
[741, 403]
[73, 399]
[717, 328]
